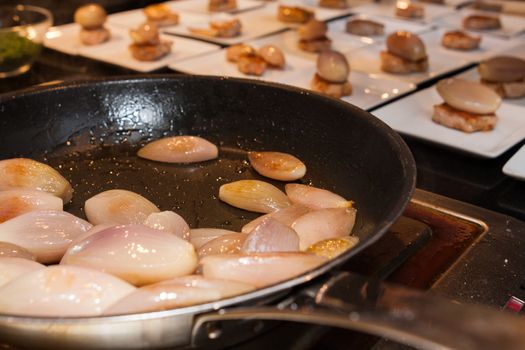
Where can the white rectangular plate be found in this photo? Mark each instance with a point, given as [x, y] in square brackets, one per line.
[201, 6]
[412, 116]
[368, 92]
[511, 25]
[367, 60]
[515, 167]
[64, 38]
[433, 12]
[116, 51]
[133, 18]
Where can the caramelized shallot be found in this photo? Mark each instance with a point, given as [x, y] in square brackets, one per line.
[201, 236]
[23, 173]
[11, 268]
[46, 234]
[271, 236]
[170, 222]
[136, 253]
[227, 244]
[62, 291]
[333, 67]
[285, 216]
[10, 250]
[322, 224]
[277, 165]
[179, 149]
[253, 195]
[260, 269]
[120, 207]
[272, 55]
[17, 202]
[468, 96]
[315, 198]
[330, 248]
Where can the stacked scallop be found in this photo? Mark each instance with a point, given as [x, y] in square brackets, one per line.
[131, 257]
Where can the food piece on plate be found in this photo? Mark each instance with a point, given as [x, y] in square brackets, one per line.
[332, 74]
[222, 5]
[147, 45]
[91, 18]
[253, 195]
[17, 202]
[468, 106]
[251, 64]
[161, 15]
[179, 149]
[407, 9]
[261, 269]
[438, 2]
[322, 224]
[10, 250]
[169, 222]
[481, 22]
[177, 292]
[459, 40]
[330, 248]
[235, 51]
[312, 36]
[277, 165]
[226, 244]
[334, 4]
[270, 235]
[285, 216]
[272, 55]
[315, 198]
[11, 268]
[120, 207]
[62, 291]
[228, 28]
[46, 234]
[201, 236]
[23, 173]
[294, 14]
[505, 75]
[364, 27]
[136, 253]
[405, 53]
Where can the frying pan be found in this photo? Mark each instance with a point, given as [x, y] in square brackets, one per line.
[90, 132]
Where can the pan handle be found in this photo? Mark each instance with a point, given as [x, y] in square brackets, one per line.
[411, 317]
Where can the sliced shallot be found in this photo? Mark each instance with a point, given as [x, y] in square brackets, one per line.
[179, 149]
[178, 292]
[136, 253]
[323, 224]
[170, 222]
[286, 216]
[119, 207]
[11, 268]
[330, 248]
[46, 234]
[253, 195]
[315, 198]
[277, 165]
[271, 236]
[10, 250]
[260, 269]
[201, 236]
[16, 202]
[23, 173]
[62, 291]
[227, 244]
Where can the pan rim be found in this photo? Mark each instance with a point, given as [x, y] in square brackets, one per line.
[396, 142]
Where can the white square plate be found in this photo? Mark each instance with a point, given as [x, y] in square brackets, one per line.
[433, 12]
[412, 116]
[511, 25]
[116, 51]
[515, 167]
[391, 25]
[367, 60]
[201, 6]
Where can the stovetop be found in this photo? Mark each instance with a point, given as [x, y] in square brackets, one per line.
[466, 253]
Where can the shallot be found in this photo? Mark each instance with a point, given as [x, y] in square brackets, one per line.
[11, 268]
[179, 149]
[277, 165]
[330, 248]
[17, 202]
[286, 216]
[201, 236]
[170, 222]
[315, 198]
[9, 250]
[271, 236]
[253, 195]
[468, 96]
[227, 244]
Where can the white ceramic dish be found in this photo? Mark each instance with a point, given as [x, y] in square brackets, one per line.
[511, 25]
[412, 116]
[133, 18]
[515, 166]
[367, 60]
[116, 51]
[201, 6]
[64, 38]
[432, 12]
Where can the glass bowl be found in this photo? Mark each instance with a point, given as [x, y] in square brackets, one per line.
[22, 31]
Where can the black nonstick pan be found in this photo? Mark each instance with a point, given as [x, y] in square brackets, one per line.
[90, 132]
